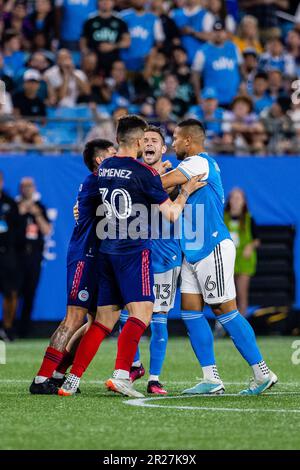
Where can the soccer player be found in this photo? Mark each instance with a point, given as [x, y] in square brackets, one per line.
[81, 272]
[166, 260]
[128, 190]
[208, 266]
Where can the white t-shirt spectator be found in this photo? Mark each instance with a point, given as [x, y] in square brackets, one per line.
[6, 106]
[54, 77]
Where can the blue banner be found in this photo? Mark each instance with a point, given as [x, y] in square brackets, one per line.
[271, 185]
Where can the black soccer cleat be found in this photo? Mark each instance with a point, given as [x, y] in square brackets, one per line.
[57, 382]
[44, 388]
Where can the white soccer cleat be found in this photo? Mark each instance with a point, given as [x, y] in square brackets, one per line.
[123, 386]
[257, 387]
[206, 387]
[70, 386]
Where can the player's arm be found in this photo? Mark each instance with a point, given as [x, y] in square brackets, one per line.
[173, 178]
[172, 210]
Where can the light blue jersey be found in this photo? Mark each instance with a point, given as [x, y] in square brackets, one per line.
[183, 18]
[203, 217]
[166, 251]
[219, 66]
[144, 29]
[75, 13]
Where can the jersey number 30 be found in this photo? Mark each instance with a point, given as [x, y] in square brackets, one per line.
[123, 198]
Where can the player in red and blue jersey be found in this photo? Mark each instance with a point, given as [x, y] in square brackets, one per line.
[82, 281]
[128, 190]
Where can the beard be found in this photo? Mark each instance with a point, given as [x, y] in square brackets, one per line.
[180, 155]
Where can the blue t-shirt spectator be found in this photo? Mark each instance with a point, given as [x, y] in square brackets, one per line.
[219, 66]
[190, 19]
[212, 118]
[145, 30]
[74, 14]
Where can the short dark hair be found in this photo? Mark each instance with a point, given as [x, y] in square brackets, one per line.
[128, 125]
[262, 75]
[92, 148]
[192, 123]
[158, 130]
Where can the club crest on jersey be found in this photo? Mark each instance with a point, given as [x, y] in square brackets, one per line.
[83, 295]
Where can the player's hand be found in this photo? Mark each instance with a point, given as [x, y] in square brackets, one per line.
[76, 212]
[193, 184]
[164, 166]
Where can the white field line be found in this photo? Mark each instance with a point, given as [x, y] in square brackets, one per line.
[144, 382]
[143, 402]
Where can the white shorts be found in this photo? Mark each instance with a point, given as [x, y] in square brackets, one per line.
[165, 285]
[213, 276]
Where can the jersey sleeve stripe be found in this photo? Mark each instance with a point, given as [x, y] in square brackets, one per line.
[184, 172]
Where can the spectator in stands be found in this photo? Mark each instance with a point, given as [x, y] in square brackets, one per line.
[190, 21]
[16, 132]
[171, 88]
[217, 11]
[249, 70]
[170, 29]
[106, 128]
[122, 91]
[261, 99]
[180, 66]
[27, 102]
[145, 30]
[67, 82]
[106, 34]
[243, 232]
[281, 133]
[154, 71]
[293, 48]
[6, 74]
[218, 63]
[70, 16]
[16, 19]
[211, 115]
[9, 237]
[100, 91]
[164, 117]
[242, 128]
[6, 107]
[275, 84]
[14, 57]
[248, 35]
[35, 226]
[265, 12]
[38, 61]
[41, 20]
[276, 58]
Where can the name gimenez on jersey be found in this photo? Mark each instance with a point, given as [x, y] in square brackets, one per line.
[115, 172]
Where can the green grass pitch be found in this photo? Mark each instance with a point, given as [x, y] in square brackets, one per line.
[97, 419]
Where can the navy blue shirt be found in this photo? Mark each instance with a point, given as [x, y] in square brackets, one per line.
[84, 242]
[128, 190]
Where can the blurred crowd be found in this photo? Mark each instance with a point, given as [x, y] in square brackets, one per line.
[72, 67]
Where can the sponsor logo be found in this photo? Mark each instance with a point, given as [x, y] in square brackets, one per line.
[210, 296]
[83, 295]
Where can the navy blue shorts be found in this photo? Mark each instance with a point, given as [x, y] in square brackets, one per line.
[125, 278]
[82, 283]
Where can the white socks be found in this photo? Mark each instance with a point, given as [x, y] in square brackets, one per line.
[210, 373]
[153, 378]
[261, 371]
[39, 379]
